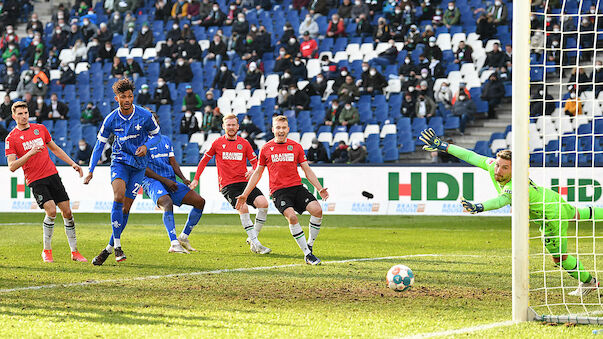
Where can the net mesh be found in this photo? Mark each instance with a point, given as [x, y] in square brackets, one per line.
[566, 155]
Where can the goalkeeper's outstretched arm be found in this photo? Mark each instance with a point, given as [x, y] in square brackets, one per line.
[433, 143]
[488, 205]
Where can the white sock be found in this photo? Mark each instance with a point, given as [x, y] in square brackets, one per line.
[248, 226]
[183, 235]
[298, 234]
[314, 229]
[48, 228]
[109, 248]
[260, 219]
[175, 242]
[117, 242]
[70, 232]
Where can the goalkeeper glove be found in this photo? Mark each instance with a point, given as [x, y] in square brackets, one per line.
[432, 141]
[472, 208]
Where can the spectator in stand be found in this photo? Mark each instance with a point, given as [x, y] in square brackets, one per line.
[437, 19]
[406, 68]
[436, 70]
[573, 105]
[144, 97]
[249, 127]
[128, 20]
[363, 27]
[318, 7]
[252, 77]
[317, 154]
[191, 101]
[359, 8]
[26, 84]
[349, 115]
[336, 27]
[509, 56]
[387, 57]
[209, 100]
[310, 26]
[299, 4]
[452, 15]
[598, 77]
[241, 25]
[216, 51]
[144, 38]
[328, 68]
[5, 109]
[299, 71]
[118, 68]
[116, 23]
[292, 47]
[493, 91]
[179, 10]
[183, 71]
[541, 103]
[318, 86]
[486, 29]
[189, 124]
[91, 115]
[53, 60]
[9, 37]
[224, 78]
[463, 54]
[345, 9]
[132, 68]
[212, 121]
[332, 113]
[169, 50]
[432, 50]
[57, 110]
[103, 34]
[464, 108]
[215, 18]
[34, 24]
[10, 81]
[231, 14]
[40, 80]
[494, 59]
[67, 76]
[581, 80]
[61, 13]
[59, 39]
[309, 47]
[382, 32]
[444, 95]
[297, 100]
[106, 53]
[130, 35]
[191, 51]
[340, 79]
[407, 109]
[40, 109]
[162, 10]
[340, 154]
[373, 83]
[167, 71]
[84, 152]
[427, 34]
[175, 33]
[497, 12]
[11, 53]
[357, 153]
[162, 95]
[283, 61]
[425, 107]
[348, 91]
[193, 12]
[428, 10]
[263, 40]
[88, 29]
[462, 90]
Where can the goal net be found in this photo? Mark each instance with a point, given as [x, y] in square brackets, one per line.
[566, 156]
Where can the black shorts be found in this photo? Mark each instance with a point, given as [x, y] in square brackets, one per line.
[49, 188]
[232, 191]
[297, 197]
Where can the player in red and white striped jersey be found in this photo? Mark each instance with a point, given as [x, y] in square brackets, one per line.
[27, 146]
[232, 152]
[281, 156]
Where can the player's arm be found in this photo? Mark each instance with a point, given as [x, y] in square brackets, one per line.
[153, 130]
[311, 176]
[178, 171]
[434, 143]
[200, 168]
[488, 205]
[172, 186]
[14, 163]
[63, 156]
[253, 181]
[253, 160]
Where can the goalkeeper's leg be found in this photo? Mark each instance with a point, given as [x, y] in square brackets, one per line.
[555, 237]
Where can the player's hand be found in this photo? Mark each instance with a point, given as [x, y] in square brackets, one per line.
[241, 200]
[186, 182]
[88, 178]
[248, 174]
[323, 193]
[172, 186]
[35, 150]
[141, 151]
[78, 169]
[432, 141]
[472, 208]
[193, 184]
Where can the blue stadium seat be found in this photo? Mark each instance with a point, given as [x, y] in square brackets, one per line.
[481, 147]
[552, 159]
[568, 160]
[536, 159]
[585, 159]
[568, 143]
[191, 154]
[375, 156]
[452, 122]
[2, 158]
[437, 123]
[598, 159]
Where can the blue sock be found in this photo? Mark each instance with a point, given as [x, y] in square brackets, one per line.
[170, 226]
[193, 218]
[117, 217]
[124, 223]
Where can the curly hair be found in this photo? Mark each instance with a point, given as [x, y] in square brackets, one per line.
[122, 86]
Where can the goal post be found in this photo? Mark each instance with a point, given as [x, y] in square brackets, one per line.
[521, 159]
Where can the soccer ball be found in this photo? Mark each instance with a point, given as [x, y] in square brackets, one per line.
[400, 278]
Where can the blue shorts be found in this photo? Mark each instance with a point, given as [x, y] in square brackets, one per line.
[155, 190]
[131, 175]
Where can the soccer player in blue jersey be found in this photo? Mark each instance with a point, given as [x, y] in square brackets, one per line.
[132, 125]
[160, 184]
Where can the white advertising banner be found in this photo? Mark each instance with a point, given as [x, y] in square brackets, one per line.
[362, 190]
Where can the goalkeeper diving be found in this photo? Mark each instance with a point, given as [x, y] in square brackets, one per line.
[547, 208]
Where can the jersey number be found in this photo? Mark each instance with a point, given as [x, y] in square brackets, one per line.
[137, 187]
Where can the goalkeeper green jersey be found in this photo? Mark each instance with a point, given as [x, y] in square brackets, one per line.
[544, 203]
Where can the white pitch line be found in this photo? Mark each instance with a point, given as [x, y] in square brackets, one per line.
[461, 330]
[226, 270]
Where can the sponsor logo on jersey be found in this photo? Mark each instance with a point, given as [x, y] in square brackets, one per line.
[33, 143]
[36, 132]
[232, 156]
[159, 155]
[22, 138]
[272, 148]
[138, 127]
[289, 148]
[239, 147]
[280, 157]
[223, 146]
[127, 137]
[119, 130]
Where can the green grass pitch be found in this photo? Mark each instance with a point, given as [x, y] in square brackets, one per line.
[462, 267]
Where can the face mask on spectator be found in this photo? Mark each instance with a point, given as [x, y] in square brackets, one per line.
[216, 8]
[314, 146]
[461, 97]
[130, 29]
[181, 63]
[407, 61]
[246, 121]
[291, 41]
[365, 68]
[188, 114]
[573, 95]
[241, 19]
[223, 68]
[451, 7]
[297, 62]
[160, 83]
[407, 8]
[286, 75]
[82, 147]
[292, 91]
[144, 30]
[344, 73]
[372, 72]
[496, 3]
[319, 80]
[282, 53]
[40, 101]
[348, 106]
[175, 27]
